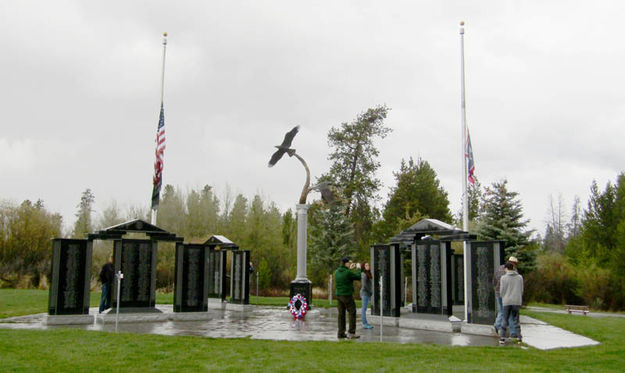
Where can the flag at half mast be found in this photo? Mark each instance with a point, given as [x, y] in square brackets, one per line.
[468, 154]
[158, 163]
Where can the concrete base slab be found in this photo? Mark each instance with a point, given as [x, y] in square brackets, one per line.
[547, 337]
[239, 307]
[260, 322]
[477, 329]
[439, 326]
[131, 317]
[216, 304]
[190, 316]
[387, 320]
[68, 319]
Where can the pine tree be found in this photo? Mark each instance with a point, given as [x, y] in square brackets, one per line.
[354, 164]
[502, 220]
[171, 211]
[110, 216]
[418, 193]
[331, 238]
[83, 224]
[475, 196]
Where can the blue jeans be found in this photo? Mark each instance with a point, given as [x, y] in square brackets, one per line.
[499, 320]
[105, 301]
[363, 311]
[510, 320]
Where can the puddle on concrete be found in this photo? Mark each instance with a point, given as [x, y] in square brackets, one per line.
[274, 323]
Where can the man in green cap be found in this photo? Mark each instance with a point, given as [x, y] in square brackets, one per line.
[345, 277]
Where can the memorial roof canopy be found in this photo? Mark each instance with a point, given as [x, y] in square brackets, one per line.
[136, 226]
[223, 242]
[430, 228]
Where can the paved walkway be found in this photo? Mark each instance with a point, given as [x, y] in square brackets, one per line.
[275, 323]
[591, 313]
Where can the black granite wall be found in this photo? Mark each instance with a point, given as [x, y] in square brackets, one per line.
[386, 262]
[431, 276]
[136, 259]
[484, 257]
[71, 275]
[191, 287]
[457, 279]
[240, 277]
[217, 274]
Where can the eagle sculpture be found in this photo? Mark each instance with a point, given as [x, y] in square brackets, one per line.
[285, 147]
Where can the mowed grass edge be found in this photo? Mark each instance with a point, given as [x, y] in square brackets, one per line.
[80, 350]
[19, 302]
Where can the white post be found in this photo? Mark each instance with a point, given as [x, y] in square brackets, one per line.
[119, 276]
[405, 290]
[330, 289]
[381, 305]
[465, 196]
[302, 226]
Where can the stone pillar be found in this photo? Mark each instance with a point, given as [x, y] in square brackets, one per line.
[302, 242]
[301, 284]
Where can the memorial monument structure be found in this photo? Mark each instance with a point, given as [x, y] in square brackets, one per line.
[201, 271]
[136, 260]
[227, 285]
[438, 275]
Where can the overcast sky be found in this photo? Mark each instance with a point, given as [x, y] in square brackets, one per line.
[80, 94]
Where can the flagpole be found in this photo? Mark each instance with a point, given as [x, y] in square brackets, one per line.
[155, 209]
[465, 197]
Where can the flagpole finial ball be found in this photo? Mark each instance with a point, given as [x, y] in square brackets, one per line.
[165, 34]
[461, 23]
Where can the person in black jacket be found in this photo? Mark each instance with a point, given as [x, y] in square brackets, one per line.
[107, 275]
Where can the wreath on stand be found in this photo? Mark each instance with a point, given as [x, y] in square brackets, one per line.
[298, 306]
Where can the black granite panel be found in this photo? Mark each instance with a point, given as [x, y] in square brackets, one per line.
[457, 279]
[217, 274]
[385, 263]
[190, 294]
[240, 277]
[431, 270]
[136, 260]
[484, 256]
[71, 273]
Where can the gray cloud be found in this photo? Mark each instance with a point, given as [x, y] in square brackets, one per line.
[80, 94]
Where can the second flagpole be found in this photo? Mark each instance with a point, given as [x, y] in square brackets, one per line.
[465, 197]
[155, 208]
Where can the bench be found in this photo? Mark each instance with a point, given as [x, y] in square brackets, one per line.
[582, 309]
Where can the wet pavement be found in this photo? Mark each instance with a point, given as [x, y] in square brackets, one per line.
[276, 323]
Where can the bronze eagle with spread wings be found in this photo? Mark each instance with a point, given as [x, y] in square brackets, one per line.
[285, 147]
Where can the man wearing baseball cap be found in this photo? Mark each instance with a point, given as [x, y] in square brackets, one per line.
[345, 278]
[500, 271]
[511, 289]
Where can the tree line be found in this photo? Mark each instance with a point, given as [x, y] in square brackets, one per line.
[583, 253]
[564, 265]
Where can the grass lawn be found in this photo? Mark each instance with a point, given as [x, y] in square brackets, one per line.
[79, 350]
[562, 307]
[18, 302]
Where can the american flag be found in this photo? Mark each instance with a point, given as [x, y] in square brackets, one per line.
[158, 164]
[468, 153]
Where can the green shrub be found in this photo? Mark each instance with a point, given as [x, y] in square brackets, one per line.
[554, 281]
[596, 286]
